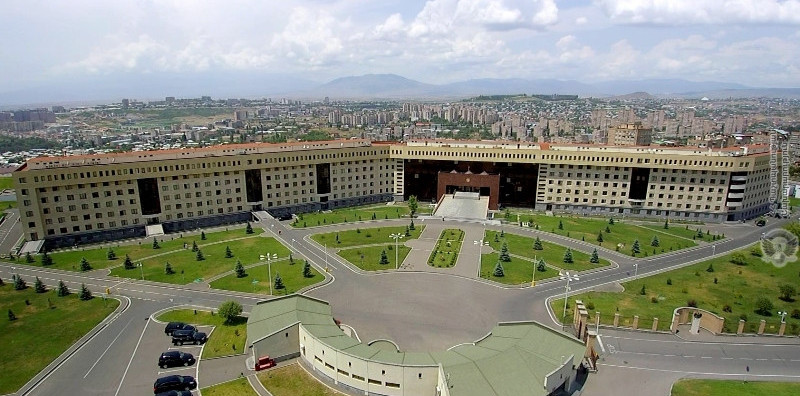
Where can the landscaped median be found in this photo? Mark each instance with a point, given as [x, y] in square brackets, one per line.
[735, 286]
[445, 253]
[523, 253]
[226, 339]
[293, 273]
[44, 326]
[396, 210]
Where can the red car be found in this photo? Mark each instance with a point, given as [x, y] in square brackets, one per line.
[264, 363]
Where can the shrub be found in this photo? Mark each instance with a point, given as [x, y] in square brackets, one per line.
[787, 292]
[755, 251]
[743, 317]
[669, 281]
[590, 306]
[795, 313]
[168, 269]
[230, 310]
[691, 303]
[654, 300]
[764, 306]
[643, 291]
[710, 268]
[738, 258]
[727, 308]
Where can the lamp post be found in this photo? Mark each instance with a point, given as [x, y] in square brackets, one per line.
[635, 269]
[782, 314]
[713, 250]
[326, 257]
[533, 277]
[568, 278]
[396, 237]
[141, 268]
[269, 258]
[480, 243]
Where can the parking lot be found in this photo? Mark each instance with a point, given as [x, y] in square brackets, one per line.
[143, 369]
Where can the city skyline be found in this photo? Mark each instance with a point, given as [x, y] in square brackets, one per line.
[96, 49]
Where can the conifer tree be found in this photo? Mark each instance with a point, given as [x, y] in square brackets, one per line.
[85, 293]
[228, 252]
[537, 244]
[62, 290]
[194, 246]
[240, 272]
[307, 270]
[635, 249]
[384, 258]
[199, 256]
[499, 272]
[85, 265]
[168, 269]
[600, 237]
[504, 256]
[595, 259]
[202, 235]
[655, 242]
[540, 266]
[568, 256]
[278, 281]
[248, 229]
[46, 259]
[19, 283]
[128, 263]
[155, 244]
[110, 254]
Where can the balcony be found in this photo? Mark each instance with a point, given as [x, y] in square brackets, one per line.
[734, 204]
[739, 178]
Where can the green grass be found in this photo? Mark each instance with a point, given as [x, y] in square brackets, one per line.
[737, 287]
[552, 254]
[368, 257]
[97, 256]
[5, 205]
[365, 236]
[291, 274]
[683, 231]
[588, 229]
[223, 341]
[517, 272]
[354, 214]
[41, 334]
[187, 268]
[697, 387]
[237, 387]
[292, 380]
[6, 183]
[445, 254]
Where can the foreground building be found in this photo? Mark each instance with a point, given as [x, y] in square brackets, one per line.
[516, 358]
[82, 199]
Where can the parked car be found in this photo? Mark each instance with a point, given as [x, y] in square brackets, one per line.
[180, 337]
[174, 382]
[174, 393]
[175, 358]
[264, 363]
[172, 326]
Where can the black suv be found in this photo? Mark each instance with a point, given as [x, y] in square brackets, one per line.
[174, 382]
[172, 326]
[174, 393]
[175, 358]
[180, 337]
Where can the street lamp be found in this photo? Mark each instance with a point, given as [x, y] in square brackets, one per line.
[713, 250]
[269, 258]
[141, 268]
[568, 278]
[782, 314]
[635, 269]
[396, 237]
[535, 264]
[480, 243]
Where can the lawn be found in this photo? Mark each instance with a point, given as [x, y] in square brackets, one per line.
[187, 268]
[552, 254]
[684, 231]
[291, 275]
[226, 339]
[365, 236]
[589, 229]
[293, 380]
[697, 387]
[98, 256]
[445, 254]
[6, 183]
[516, 272]
[360, 213]
[237, 387]
[368, 258]
[730, 291]
[40, 334]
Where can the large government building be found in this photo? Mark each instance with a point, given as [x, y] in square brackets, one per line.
[81, 199]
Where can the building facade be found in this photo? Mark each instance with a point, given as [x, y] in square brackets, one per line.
[82, 199]
[630, 134]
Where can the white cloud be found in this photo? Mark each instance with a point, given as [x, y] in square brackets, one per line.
[682, 12]
[581, 20]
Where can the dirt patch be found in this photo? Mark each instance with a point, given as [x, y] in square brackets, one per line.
[610, 288]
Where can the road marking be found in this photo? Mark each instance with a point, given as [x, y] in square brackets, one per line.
[176, 369]
[121, 381]
[703, 343]
[107, 348]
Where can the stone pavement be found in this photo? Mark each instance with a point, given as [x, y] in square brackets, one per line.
[468, 258]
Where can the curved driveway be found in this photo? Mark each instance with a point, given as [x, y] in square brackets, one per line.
[425, 311]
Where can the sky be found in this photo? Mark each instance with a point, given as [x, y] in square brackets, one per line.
[46, 43]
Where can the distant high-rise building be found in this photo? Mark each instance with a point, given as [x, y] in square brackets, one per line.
[125, 103]
[630, 134]
[169, 99]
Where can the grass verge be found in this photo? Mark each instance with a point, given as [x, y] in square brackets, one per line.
[237, 387]
[360, 213]
[292, 380]
[44, 329]
[445, 254]
[697, 387]
[552, 254]
[516, 272]
[226, 339]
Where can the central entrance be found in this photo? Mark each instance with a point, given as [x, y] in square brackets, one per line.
[484, 184]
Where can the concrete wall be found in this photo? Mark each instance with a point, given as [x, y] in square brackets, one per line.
[564, 374]
[367, 375]
[282, 345]
[708, 321]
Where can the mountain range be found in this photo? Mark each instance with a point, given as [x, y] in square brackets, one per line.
[111, 88]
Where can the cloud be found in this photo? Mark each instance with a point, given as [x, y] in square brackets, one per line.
[685, 12]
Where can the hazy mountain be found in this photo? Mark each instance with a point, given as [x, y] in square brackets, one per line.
[661, 86]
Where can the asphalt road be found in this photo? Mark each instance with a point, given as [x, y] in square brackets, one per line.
[418, 310]
[10, 231]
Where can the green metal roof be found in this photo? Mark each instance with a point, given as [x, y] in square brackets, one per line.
[514, 359]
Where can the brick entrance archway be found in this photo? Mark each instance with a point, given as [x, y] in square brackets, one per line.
[485, 184]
